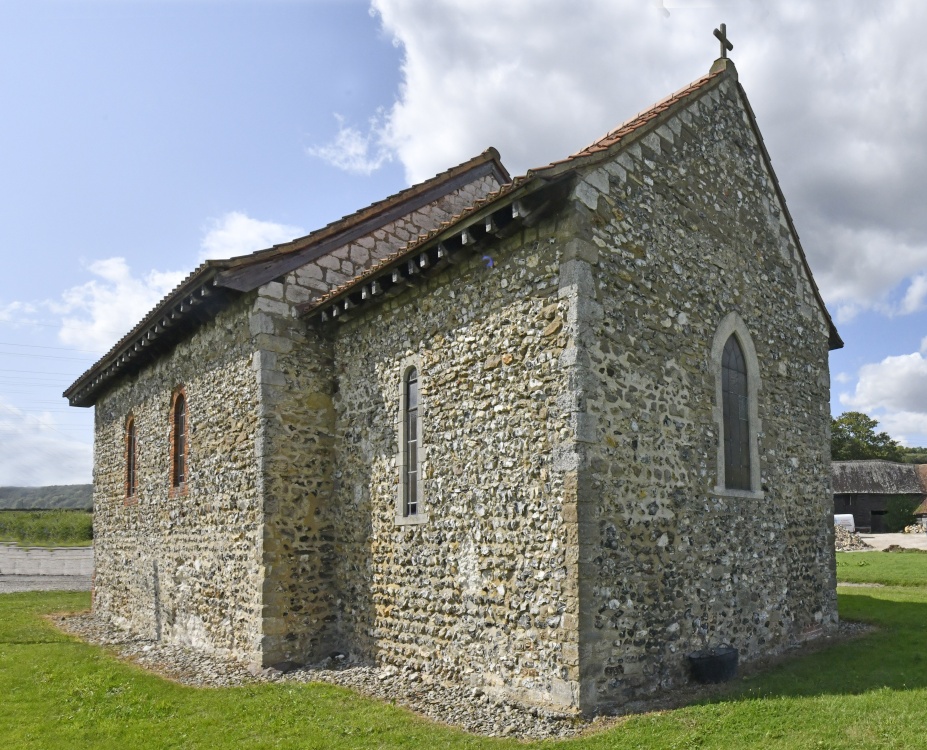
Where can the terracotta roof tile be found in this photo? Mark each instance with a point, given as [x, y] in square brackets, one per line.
[609, 140]
[631, 126]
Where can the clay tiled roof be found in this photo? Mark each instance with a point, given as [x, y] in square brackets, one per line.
[217, 278]
[631, 128]
[410, 249]
[613, 139]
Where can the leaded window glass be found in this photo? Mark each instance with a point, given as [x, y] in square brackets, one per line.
[411, 447]
[736, 417]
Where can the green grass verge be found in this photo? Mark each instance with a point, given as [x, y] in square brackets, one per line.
[904, 568]
[47, 528]
[60, 693]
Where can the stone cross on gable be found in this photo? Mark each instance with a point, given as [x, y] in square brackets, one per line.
[722, 37]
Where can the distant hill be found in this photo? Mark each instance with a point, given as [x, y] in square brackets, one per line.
[53, 496]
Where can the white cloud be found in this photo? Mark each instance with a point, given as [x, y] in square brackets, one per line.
[96, 314]
[907, 427]
[915, 295]
[898, 383]
[539, 80]
[236, 233]
[356, 151]
[17, 312]
[35, 453]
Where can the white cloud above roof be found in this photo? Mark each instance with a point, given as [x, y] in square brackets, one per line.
[894, 391]
[236, 233]
[96, 314]
[356, 151]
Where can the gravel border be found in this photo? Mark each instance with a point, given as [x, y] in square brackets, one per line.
[12, 584]
[467, 708]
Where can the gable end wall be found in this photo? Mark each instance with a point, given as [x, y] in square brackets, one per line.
[688, 229]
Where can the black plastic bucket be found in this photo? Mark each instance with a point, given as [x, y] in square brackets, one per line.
[714, 665]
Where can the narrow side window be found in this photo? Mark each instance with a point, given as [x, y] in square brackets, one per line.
[411, 448]
[735, 399]
[131, 456]
[410, 453]
[179, 440]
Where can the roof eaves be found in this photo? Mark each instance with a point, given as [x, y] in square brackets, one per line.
[196, 285]
[519, 188]
[634, 128]
[250, 271]
[212, 272]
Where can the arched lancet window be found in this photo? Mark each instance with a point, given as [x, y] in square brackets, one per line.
[410, 447]
[179, 440]
[736, 411]
[131, 456]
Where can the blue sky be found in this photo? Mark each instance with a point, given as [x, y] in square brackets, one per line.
[139, 137]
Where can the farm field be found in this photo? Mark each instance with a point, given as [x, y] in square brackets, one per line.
[47, 528]
[866, 693]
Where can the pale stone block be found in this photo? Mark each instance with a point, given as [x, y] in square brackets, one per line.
[310, 271]
[666, 133]
[584, 427]
[261, 323]
[564, 693]
[262, 304]
[587, 194]
[297, 294]
[272, 289]
[598, 178]
[565, 457]
[618, 171]
[576, 279]
[652, 141]
[275, 344]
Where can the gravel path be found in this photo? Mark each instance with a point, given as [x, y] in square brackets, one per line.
[15, 584]
[467, 708]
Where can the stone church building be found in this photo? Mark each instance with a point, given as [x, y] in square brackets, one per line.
[544, 435]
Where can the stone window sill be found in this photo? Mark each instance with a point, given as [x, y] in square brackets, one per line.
[415, 520]
[744, 494]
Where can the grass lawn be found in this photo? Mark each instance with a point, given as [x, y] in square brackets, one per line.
[47, 528]
[871, 693]
[904, 568]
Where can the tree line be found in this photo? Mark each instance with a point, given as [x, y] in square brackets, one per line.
[853, 437]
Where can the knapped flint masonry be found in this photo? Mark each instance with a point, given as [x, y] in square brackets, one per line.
[486, 429]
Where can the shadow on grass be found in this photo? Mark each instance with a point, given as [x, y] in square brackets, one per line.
[893, 657]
